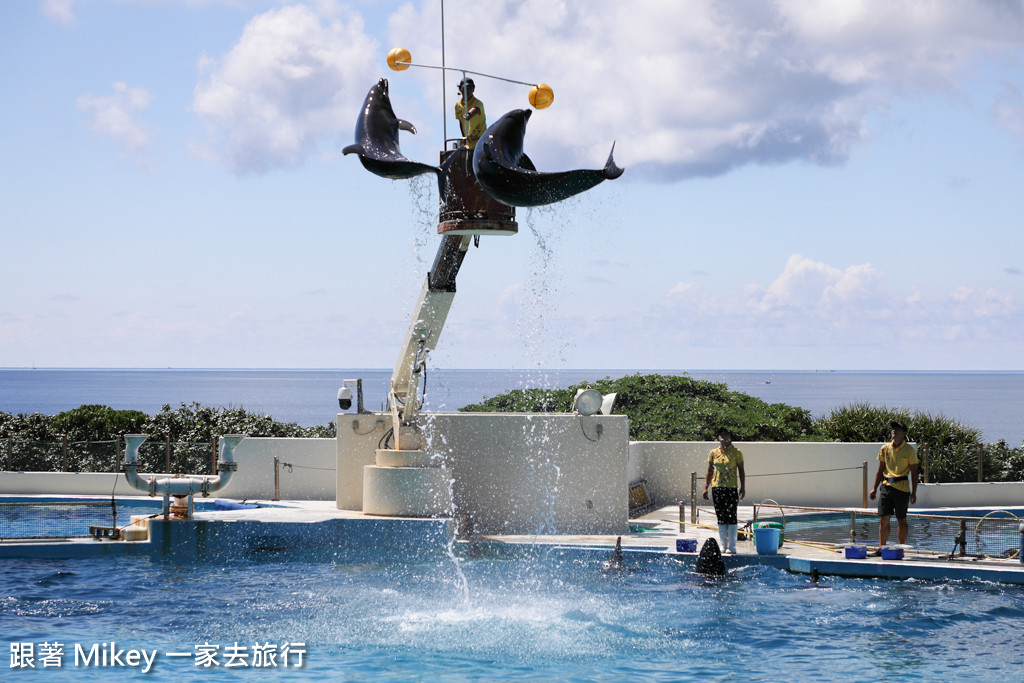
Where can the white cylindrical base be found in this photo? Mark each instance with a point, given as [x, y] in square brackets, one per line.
[406, 491]
[387, 457]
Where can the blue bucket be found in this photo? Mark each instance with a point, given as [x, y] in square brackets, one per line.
[686, 545]
[766, 541]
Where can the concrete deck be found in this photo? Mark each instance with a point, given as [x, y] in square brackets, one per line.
[319, 525]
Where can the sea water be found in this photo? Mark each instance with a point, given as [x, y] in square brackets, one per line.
[990, 401]
[548, 615]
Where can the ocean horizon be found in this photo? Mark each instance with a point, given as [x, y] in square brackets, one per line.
[991, 401]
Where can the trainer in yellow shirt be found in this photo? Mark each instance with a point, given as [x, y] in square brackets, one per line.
[897, 473]
[472, 122]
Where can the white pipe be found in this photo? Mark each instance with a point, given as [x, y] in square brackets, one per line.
[180, 486]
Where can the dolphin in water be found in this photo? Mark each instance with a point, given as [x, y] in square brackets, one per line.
[377, 138]
[709, 561]
[614, 562]
[509, 176]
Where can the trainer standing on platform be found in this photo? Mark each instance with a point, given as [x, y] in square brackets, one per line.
[470, 113]
[897, 470]
[724, 464]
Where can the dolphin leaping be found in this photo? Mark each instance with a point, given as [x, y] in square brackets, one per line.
[509, 176]
[377, 138]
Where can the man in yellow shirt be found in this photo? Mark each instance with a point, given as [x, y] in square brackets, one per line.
[897, 470]
[472, 120]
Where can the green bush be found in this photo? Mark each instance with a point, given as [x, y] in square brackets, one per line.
[669, 408]
[952, 445]
[36, 442]
[98, 423]
[679, 408]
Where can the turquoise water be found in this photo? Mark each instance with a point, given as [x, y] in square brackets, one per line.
[546, 615]
[987, 531]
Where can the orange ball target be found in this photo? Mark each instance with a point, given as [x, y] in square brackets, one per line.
[541, 96]
[399, 54]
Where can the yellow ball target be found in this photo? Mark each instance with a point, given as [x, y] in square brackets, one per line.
[541, 96]
[399, 54]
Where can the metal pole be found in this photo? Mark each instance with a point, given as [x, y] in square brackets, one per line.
[167, 454]
[444, 85]
[117, 453]
[64, 453]
[924, 458]
[693, 497]
[981, 463]
[277, 478]
[213, 457]
[864, 496]
[682, 516]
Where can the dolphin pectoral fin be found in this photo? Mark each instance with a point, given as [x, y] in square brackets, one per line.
[353, 149]
[611, 171]
[527, 163]
[405, 125]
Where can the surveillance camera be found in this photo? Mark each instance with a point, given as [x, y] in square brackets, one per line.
[344, 398]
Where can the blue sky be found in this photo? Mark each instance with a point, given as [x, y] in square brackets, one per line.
[809, 185]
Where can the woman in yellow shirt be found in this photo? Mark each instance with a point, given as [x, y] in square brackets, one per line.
[725, 467]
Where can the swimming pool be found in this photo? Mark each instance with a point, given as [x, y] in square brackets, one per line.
[534, 614]
[986, 531]
[40, 517]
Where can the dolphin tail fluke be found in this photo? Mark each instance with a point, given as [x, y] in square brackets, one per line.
[611, 171]
[353, 149]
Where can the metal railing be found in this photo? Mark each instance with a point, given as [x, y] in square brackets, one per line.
[53, 520]
[993, 535]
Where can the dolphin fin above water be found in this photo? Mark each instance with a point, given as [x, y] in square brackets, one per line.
[709, 561]
[377, 138]
[508, 175]
[615, 561]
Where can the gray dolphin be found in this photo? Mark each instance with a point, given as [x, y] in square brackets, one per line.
[709, 562]
[615, 562]
[377, 138]
[509, 176]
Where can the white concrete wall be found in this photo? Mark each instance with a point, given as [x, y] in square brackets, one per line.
[807, 474]
[311, 476]
[817, 474]
[550, 476]
[513, 473]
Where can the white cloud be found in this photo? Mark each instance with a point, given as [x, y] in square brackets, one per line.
[1009, 109]
[982, 303]
[290, 83]
[701, 87]
[814, 287]
[61, 11]
[114, 115]
[687, 89]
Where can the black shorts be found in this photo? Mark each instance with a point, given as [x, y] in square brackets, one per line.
[726, 500]
[893, 502]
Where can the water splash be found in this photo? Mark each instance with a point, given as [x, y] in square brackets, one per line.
[539, 305]
[436, 444]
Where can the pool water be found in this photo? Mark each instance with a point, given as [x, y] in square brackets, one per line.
[997, 535]
[545, 614]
